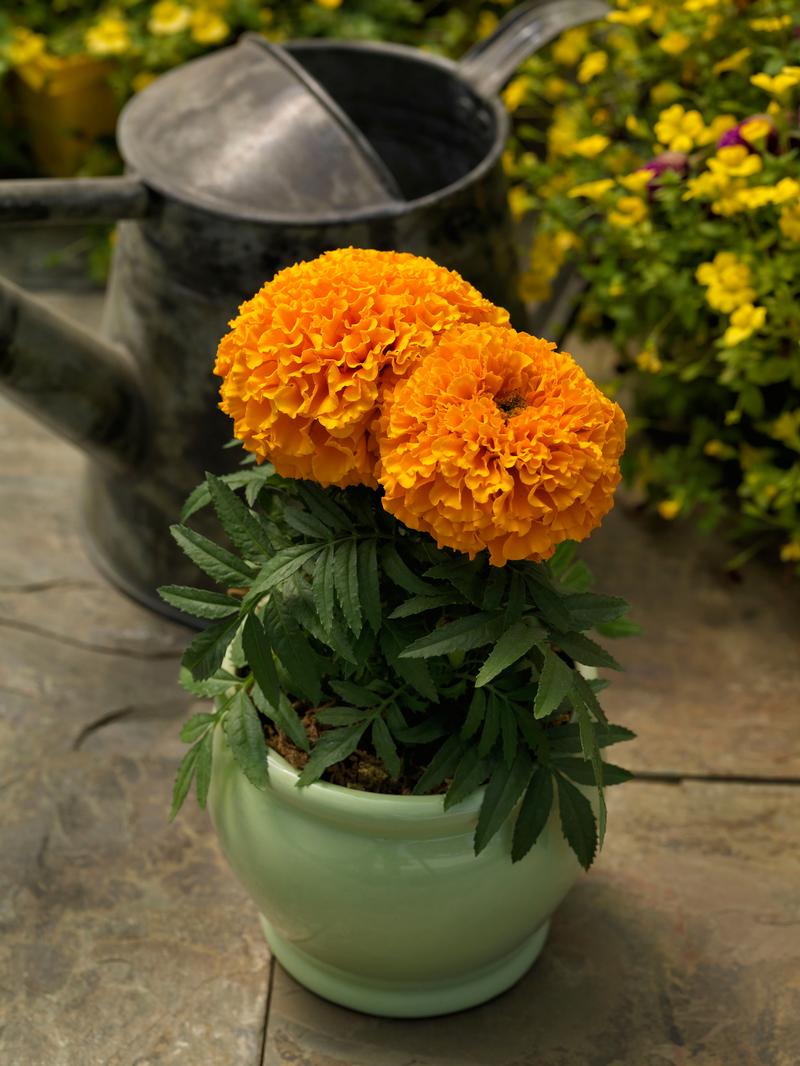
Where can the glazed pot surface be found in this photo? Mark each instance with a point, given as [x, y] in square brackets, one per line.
[378, 902]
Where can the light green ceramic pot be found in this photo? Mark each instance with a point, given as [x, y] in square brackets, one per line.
[378, 902]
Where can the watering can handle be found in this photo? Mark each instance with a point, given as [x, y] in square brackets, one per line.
[71, 201]
[491, 63]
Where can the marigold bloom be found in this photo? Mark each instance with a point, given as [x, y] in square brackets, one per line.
[495, 440]
[303, 361]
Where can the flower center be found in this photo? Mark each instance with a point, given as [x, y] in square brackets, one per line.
[510, 405]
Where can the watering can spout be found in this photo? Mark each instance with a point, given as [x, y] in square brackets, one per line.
[78, 384]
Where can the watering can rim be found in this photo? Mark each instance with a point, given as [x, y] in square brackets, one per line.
[388, 210]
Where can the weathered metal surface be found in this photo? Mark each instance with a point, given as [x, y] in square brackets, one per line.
[70, 201]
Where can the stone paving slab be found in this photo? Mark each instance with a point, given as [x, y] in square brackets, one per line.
[681, 946]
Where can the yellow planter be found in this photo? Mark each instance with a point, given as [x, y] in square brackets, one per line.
[65, 104]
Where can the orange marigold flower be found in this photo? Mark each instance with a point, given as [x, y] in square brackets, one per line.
[303, 361]
[495, 440]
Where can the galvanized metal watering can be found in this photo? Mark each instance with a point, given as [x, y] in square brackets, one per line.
[241, 163]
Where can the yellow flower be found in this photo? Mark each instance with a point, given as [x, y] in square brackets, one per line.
[305, 360]
[634, 16]
[733, 62]
[779, 84]
[674, 43]
[637, 181]
[495, 440]
[786, 189]
[790, 552]
[745, 320]
[789, 222]
[592, 64]
[635, 126]
[678, 129]
[570, 46]
[519, 200]
[628, 211]
[719, 125]
[770, 25]
[735, 161]
[554, 88]
[592, 190]
[25, 46]
[706, 186]
[108, 37]
[590, 147]
[755, 130]
[562, 132]
[718, 449]
[141, 80]
[728, 282]
[329, 5]
[515, 92]
[670, 509]
[486, 25]
[208, 27]
[648, 361]
[786, 428]
[168, 17]
[664, 92]
[699, 5]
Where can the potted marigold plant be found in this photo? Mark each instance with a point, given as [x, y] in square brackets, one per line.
[403, 762]
[669, 176]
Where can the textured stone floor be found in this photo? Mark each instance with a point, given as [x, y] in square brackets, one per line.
[126, 943]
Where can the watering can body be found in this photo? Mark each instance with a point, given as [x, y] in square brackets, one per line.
[142, 400]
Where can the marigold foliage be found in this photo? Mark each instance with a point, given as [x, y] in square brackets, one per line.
[304, 361]
[495, 440]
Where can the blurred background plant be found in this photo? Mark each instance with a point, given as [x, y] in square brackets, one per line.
[655, 152]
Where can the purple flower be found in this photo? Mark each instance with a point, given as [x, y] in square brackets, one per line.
[677, 161]
[734, 136]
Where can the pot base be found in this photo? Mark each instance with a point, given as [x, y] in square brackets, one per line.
[405, 999]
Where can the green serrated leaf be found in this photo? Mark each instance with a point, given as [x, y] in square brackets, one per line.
[345, 579]
[424, 732]
[555, 681]
[385, 747]
[183, 779]
[322, 588]
[469, 775]
[202, 768]
[244, 530]
[419, 604]
[508, 734]
[491, 725]
[582, 771]
[511, 646]
[213, 560]
[199, 602]
[332, 747]
[515, 604]
[357, 695]
[369, 582]
[463, 634]
[465, 575]
[280, 568]
[585, 696]
[342, 715]
[475, 714]
[550, 604]
[566, 738]
[413, 672]
[494, 588]
[321, 504]
[246, 739]
[196, 726]
[533, 814]
[283, 716]
[400, 574]
[440, 766]
[216, 685]
[620, 627]
[307, 525]
[258, 652]
[205, 653]
[577, 821]
[589, 609]
[585, 651]
[201, 497]
[293, 649]
[502, 793]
